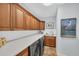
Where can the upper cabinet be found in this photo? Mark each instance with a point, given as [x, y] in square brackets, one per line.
[27, 21]
[15, 17]
[36, 24]
[19, 22]
[42, 25]
[5, 17]
[32, 23]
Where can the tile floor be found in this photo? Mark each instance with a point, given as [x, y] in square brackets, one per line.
[49, 51]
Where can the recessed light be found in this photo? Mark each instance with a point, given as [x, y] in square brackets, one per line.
[47, 4]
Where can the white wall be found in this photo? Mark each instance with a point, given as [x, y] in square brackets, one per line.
[48, 20]
[68, 46]
[11, 35]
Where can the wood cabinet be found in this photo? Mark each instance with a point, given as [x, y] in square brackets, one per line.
[11, 17]
[5, 16]
[27, 21]
[25, 52]
[32, 23]
[42, 25]
[50, 41]
[36, 24]
[15, 17]
[19, 18]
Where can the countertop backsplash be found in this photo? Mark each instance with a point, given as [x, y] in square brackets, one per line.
[50, 32]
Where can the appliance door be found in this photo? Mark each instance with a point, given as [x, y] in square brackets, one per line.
[42, 45]
[35, 49]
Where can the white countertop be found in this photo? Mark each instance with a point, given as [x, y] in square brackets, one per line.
[50, 35]
[14, 47]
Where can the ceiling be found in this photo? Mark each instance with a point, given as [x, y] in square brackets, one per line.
[40, 10]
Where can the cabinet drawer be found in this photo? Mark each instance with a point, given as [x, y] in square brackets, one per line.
[50, 41]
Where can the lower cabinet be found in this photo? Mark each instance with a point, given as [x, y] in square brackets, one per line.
[50, 41]
[25, 52]
[35, 49]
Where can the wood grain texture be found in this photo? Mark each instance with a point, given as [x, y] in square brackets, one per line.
[25, 52]
[5, 16]
[15, 17]
[27, 21]
[50, 41]
[42, 25]
[19, 18]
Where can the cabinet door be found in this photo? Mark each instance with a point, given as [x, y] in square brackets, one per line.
[50, 41]
[27, 20]
[46, 41]
[35, 23]
[42, 25]
[25, 52]
[19, 18]
[32, 23]
[5, 16]
[38, 25]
